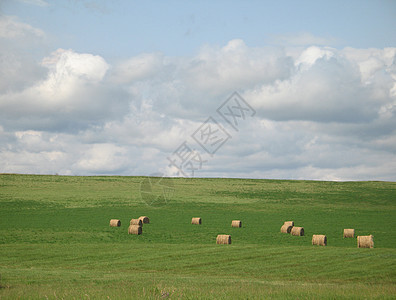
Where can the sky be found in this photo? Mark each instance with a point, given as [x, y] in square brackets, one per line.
[246, 89]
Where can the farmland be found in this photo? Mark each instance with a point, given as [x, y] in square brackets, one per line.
[55, 239]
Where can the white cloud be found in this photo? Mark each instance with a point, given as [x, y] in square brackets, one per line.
[66, 63]
[102, 158]
[372, 61]
[18, 67]
[70, 71]
[322, 113]
[139, 67]
[326, 87]
[235, 66]
[73, 96]
[11, 28]
[17, 71]
[309, 56]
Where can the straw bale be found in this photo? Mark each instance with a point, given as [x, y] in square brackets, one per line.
[236, 223]
[365, 241]
[286, 228]
[115, 223]
[135, 229]
[196, 221]
[223, 239]
[349, 233]
[136, 222]
[145, 219]
[298, 231]
[319, 239]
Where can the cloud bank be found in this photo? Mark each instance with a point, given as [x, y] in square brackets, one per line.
[321, 113]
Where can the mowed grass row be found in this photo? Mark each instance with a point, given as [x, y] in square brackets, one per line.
[55, 239]
[171, 224]
[184, 268]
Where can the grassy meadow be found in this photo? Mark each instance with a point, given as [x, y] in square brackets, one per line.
[56, 243]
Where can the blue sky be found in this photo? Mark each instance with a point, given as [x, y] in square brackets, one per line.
[118, 87]
[123, 28]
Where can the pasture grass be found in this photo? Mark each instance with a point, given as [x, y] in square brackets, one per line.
[55, 239]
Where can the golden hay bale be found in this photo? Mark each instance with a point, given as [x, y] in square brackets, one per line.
[349, 233]
[290, 223]
[134, 229]
[115, 223]
[196, 221]
[136, 222]
[223, 239]
[319, 239]
[145, 219]
[365, 241]
[286, 228]
[236, 223]
[298, 231]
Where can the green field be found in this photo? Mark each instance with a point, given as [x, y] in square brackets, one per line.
[55, 239]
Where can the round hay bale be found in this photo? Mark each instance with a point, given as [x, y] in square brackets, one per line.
[286, 228]
[319, 239]
[290, 223]
[365, 241]
[115, 223]
[136, 222]
[223, 239]
[298, 231]
[349, 233]
[196, 221]
[145, 219]
[134, 229]
[236, 223]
